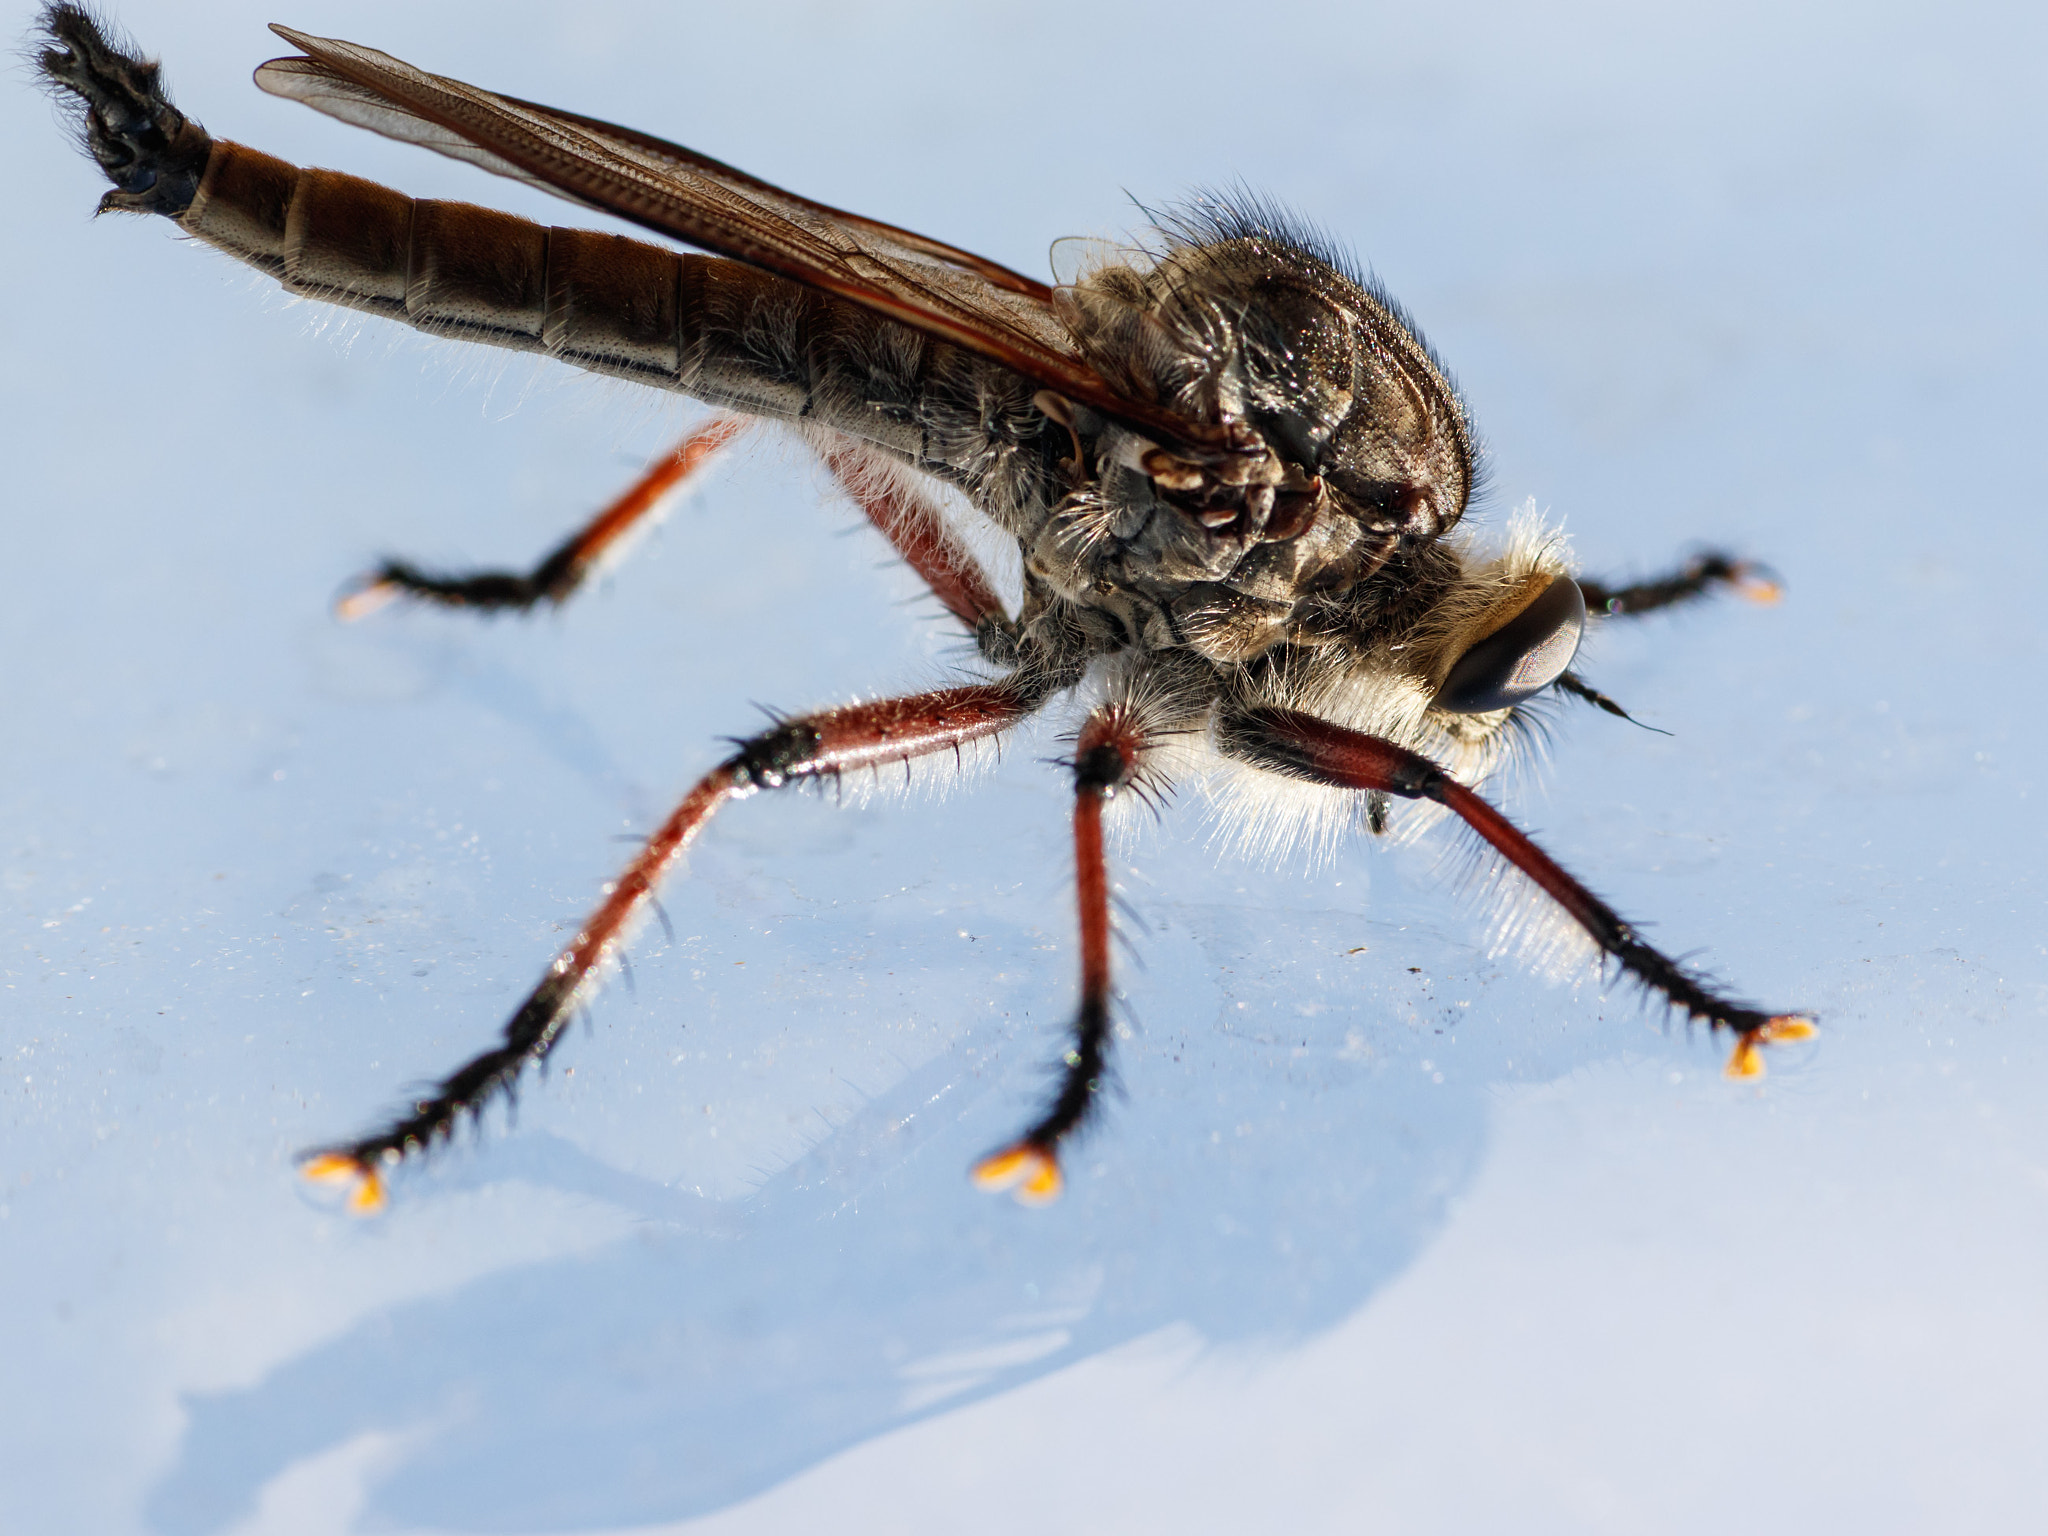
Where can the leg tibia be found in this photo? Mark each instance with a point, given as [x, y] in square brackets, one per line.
[572, 562]
[856, 735]
[1107, 758]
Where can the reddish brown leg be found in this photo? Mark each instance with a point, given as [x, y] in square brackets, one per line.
[912, 522]
[1305, 747]
[1106, 759]
[813, 746]
[572, 562]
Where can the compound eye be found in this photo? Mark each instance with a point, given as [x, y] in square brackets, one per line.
[1524, 656]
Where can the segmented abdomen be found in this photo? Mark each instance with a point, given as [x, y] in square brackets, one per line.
[718, 330]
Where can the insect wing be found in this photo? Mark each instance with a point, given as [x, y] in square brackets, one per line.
[934, 288]
[876, 235]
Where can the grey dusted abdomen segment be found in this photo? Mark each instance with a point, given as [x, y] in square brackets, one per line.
[725, 333]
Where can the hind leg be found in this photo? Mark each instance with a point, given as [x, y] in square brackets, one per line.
[572, 562]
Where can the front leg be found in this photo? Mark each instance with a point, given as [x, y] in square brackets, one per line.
[822, 745]
[1698, 577]
[1287, 742]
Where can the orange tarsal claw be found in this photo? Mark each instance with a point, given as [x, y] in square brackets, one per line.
[1747, 1059]
[1030, 1173]
[364, 600]
[367, 1196]
[1756, 586]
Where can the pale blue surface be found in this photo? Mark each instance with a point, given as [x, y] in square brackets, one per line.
[1429, 1249]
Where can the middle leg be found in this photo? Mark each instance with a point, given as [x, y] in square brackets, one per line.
[821, 745]
[1107, 759]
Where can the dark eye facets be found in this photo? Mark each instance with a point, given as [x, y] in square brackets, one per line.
[1523, 657]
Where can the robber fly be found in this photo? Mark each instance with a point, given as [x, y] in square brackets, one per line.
[1230, 463]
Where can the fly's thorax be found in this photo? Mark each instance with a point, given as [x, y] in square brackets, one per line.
[1356, 447]
[1117, 545]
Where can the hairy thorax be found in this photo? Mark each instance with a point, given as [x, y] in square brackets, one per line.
[1355, 450]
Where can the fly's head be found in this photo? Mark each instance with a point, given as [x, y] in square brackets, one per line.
[1442, 658]
[1353, 446]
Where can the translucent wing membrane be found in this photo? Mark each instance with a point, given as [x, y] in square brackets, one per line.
[324, 90]
[934, 288]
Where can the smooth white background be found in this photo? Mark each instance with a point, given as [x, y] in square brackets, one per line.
[1398, 1239]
